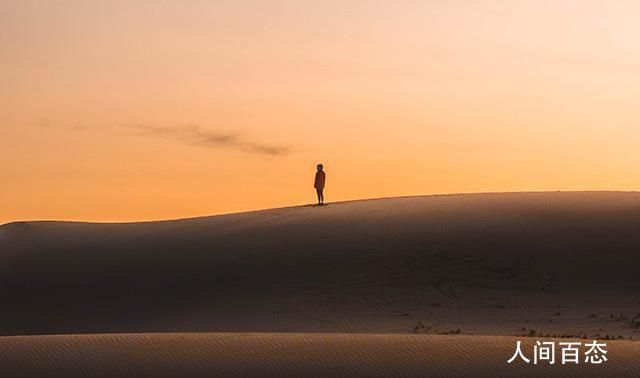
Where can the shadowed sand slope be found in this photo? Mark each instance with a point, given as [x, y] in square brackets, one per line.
[289, 355]
[496, 264]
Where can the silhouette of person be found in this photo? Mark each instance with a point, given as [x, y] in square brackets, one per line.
[319, 183]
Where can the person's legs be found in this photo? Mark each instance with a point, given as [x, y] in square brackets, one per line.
[320, 196]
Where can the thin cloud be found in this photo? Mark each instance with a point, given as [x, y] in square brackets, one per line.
[197, 136]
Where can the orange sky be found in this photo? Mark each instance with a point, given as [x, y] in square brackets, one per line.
[138, 110]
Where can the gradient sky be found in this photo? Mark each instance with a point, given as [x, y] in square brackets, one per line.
[140, 110]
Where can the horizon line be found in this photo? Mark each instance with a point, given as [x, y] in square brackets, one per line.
[160, 220]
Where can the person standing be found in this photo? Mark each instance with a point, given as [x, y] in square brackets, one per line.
[319, 183]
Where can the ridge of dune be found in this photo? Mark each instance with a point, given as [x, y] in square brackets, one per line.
[495, 264]
[23, 223]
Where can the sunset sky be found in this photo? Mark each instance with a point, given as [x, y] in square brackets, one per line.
[141, 110]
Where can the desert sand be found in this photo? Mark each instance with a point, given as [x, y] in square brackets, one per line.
[288, 355]
[408, 284]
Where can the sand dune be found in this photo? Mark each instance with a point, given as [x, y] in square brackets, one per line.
[288, 355]
[495, 264]
[538, 264]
